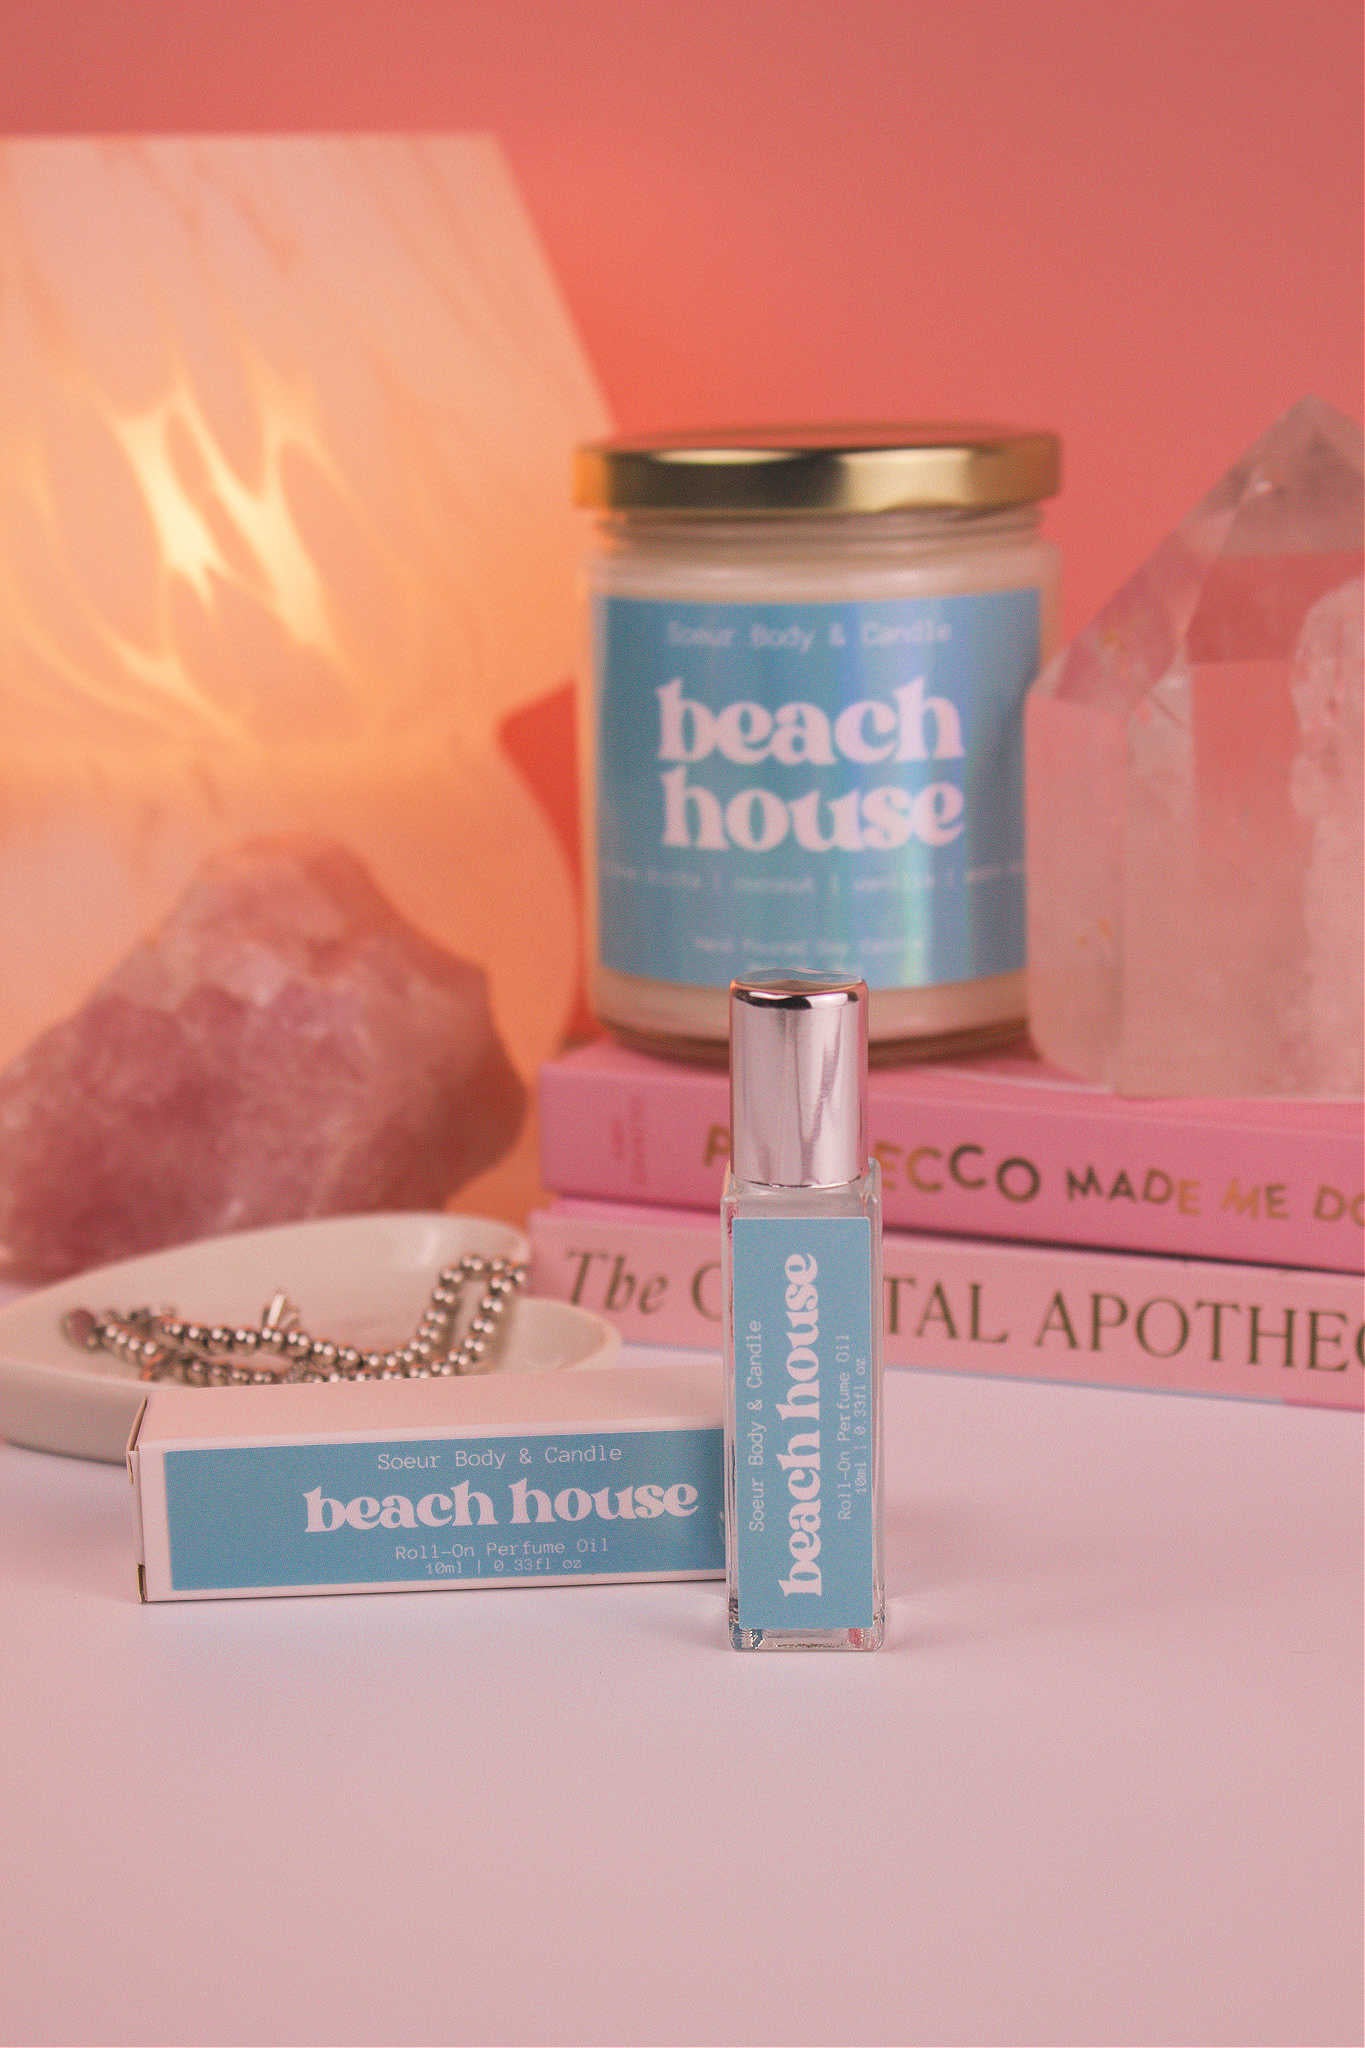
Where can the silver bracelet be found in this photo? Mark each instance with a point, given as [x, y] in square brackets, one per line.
[159, 1345]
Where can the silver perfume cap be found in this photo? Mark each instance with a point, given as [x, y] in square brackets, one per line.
[798, 1080]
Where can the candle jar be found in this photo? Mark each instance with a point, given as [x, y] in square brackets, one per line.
[803, 738]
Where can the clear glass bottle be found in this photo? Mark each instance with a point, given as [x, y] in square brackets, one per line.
[801, 1262]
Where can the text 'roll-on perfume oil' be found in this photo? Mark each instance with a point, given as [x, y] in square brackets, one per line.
[801, 1241]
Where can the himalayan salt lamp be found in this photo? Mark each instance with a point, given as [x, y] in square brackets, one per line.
[285, 436]
[286, 1045]
[1194, 787]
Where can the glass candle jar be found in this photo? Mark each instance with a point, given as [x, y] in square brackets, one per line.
[803, 740]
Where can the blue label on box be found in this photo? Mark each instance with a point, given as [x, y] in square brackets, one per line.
[804, 1449]
[499, 1508]
[835, 787]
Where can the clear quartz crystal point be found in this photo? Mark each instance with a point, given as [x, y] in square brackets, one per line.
[1195, 795]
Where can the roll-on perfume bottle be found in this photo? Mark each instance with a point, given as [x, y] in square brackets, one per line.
[803, 1327]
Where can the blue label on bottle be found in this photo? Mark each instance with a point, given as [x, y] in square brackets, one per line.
[492, 1509]
[804, 1446]
[836, 787]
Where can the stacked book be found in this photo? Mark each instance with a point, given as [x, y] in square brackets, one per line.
[1036, 1226]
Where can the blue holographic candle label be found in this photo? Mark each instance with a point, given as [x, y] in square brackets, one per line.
[836, 787]
[493, 1509]
[805, 1554]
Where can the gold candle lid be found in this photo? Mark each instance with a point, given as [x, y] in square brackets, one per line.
[921, 466]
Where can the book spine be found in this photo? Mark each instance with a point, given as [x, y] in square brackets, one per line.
[968, 1304]
[659, 1134]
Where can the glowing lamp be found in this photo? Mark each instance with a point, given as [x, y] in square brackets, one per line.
[285, 542]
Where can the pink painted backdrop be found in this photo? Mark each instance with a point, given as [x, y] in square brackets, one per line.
[1139, 225]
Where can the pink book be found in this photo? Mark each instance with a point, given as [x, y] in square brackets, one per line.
[1000, 1146]
[977, 1305]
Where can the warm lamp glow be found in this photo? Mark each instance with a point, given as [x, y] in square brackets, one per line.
[285, 430]
[233, 532]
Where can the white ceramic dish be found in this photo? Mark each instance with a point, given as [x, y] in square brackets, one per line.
[361, 1279]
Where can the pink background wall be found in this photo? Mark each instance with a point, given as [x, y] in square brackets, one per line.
[1138, 224]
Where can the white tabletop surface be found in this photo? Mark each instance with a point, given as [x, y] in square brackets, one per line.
[1102, 1786]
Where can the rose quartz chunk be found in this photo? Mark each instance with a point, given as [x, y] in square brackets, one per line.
[285, 1046]
[1194, 796]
